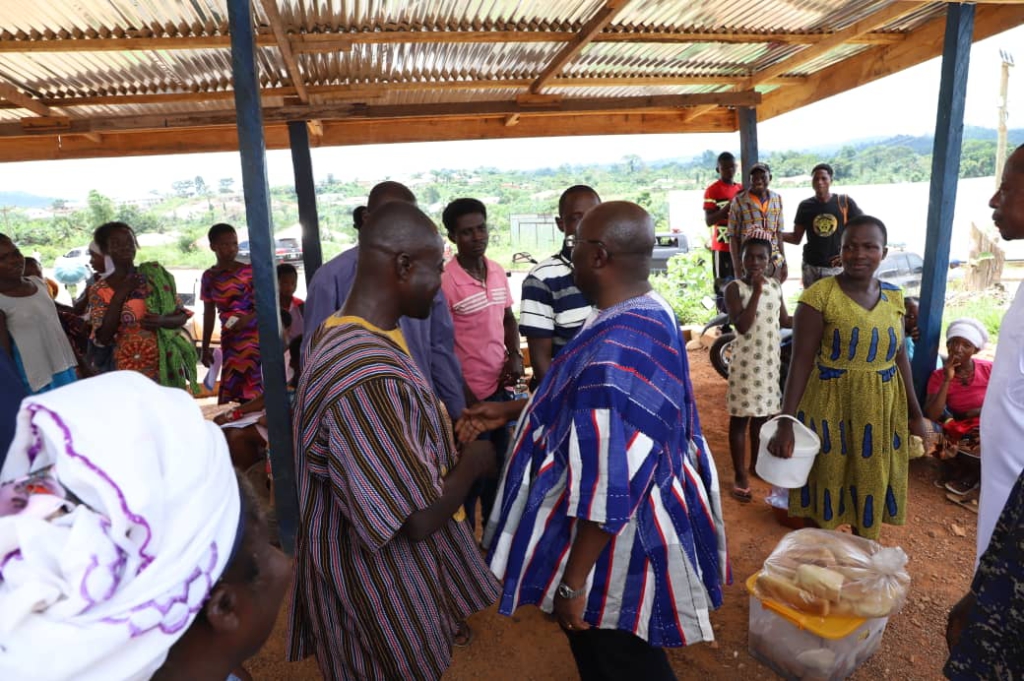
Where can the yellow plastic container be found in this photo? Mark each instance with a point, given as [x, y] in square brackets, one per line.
[799, 646]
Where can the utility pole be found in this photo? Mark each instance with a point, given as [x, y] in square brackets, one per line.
[1004, 114]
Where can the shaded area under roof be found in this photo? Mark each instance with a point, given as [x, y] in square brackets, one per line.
[83, 78]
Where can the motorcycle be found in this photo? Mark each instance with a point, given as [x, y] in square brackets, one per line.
[721, 349]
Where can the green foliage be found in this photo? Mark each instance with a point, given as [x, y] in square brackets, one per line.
[189, 206]
[685, 285]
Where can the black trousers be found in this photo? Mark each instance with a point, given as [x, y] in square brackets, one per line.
[612, 655]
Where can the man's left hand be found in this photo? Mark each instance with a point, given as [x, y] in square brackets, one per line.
[569, 613]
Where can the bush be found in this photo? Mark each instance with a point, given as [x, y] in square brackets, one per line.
[686, 285]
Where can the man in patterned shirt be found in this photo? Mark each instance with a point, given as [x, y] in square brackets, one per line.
[609, 513]
[757, 208]
[385, 568]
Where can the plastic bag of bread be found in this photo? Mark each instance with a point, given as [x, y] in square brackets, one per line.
[822, 572]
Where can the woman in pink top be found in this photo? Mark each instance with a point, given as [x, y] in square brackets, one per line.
[956, 393]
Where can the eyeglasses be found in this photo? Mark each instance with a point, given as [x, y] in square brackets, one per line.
[572, 241]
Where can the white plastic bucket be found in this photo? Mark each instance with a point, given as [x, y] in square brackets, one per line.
[789, 473]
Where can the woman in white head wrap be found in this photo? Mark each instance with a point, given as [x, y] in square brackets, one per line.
[956, 393]
[126, 549]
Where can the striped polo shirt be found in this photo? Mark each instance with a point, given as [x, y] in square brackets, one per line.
[372, 446]
[552, 306]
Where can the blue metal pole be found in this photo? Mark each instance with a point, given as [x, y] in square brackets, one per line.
[252, 149]
[748, 139]
[305, 188]
[949, 128]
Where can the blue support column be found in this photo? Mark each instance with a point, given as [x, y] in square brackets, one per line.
[252, 149]
[949, 127]
[305, 188]
[748, 140]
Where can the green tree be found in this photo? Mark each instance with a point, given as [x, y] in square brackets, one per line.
[100, 208]
[226, 185]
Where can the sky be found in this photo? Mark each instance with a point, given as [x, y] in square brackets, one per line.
[901, 104]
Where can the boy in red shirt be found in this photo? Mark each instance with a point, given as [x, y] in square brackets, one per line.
[717, 198]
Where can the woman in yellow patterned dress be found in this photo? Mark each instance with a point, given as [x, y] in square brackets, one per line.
[847, 382]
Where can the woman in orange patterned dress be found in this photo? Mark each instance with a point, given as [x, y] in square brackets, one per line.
[119, 316]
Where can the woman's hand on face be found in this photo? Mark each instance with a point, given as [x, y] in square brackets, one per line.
[949, 368]
[782, 443]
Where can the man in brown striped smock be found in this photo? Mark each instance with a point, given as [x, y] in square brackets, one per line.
[385, 570]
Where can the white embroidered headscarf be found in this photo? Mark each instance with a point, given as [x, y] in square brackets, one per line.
[103, 591]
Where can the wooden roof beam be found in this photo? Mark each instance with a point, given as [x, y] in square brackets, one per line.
[594, 25]
[599, 106]
[371, 91]
[285, 47]
[882, 61]
[859, 28]
[16, 96]
[350, 132]
[866, 25]
[342, 41]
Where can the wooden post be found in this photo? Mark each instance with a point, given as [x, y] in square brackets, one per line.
[748, 140]
[252, 150]
[949, 128]
[305, 188]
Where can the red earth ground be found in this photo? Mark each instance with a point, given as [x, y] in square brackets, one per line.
[529, 646]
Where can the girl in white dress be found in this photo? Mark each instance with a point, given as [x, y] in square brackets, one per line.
[757, 311]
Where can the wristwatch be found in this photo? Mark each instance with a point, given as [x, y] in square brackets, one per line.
[568, 593]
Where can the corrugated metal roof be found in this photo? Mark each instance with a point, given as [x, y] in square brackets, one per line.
[409, 53]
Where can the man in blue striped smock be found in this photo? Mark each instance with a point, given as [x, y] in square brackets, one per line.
[385, 568]
[609, 512]
[552, 308]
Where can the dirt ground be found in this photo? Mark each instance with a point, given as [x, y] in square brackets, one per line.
[528, 646]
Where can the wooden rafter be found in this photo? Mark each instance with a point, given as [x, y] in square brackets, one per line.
[580, 107]
[371, 91]
[349, 132]
[342, 41]
[285, 47]
[602, 17]
[15, 96]
[883, 61]
[808, 54]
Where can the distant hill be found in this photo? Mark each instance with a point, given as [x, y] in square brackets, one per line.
[922, 144]
[25, 200]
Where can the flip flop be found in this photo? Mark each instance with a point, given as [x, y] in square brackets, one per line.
[961, 487]
[742, 494]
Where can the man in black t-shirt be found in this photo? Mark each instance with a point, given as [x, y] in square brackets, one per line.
[823, 218]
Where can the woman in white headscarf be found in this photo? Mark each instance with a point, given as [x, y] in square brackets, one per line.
[955, 395]
[128, 551]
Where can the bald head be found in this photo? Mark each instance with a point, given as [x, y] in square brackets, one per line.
[623, 227]
[398, 226]
[388, 192]
[612, 255]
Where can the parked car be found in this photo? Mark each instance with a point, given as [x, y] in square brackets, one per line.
[285, 250]
[665, 246]
[288, 250]
[904, 269]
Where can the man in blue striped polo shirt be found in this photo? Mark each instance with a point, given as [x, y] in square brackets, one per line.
[552, 308]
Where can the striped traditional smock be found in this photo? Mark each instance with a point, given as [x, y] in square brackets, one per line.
[372, 447]
[612, 436]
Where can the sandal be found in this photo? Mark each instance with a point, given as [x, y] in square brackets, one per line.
[463, 635]
[962, 487]
[742, 494]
